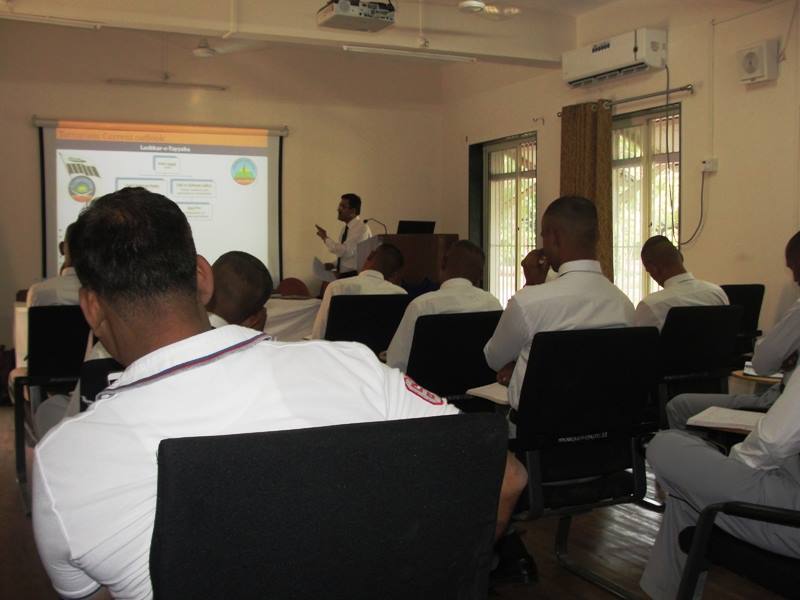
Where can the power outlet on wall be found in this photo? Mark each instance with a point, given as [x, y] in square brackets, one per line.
[710, 165]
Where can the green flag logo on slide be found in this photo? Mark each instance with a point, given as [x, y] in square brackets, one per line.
[243, 171]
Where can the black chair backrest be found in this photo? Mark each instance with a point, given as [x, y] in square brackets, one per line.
[699, 339]
[94, 378]
[398, 509]
[447, 351]
[369, 319]
[586, 392]
[57, 338]
[749, 296]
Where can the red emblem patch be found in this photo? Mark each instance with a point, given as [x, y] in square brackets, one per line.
[416, 389]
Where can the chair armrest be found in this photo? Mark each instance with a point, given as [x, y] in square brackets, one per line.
[695, 562]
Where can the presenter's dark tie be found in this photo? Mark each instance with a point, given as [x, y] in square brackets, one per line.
[343, 240]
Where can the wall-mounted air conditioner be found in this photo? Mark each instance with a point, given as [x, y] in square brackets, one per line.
[624, 54]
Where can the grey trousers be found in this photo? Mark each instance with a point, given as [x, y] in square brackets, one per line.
[685, 406]
[694, 474]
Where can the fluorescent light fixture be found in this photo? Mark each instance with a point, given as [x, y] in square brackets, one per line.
[14, 16]
[409, 53]
[174, 84]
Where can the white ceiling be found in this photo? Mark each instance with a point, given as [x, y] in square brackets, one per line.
[563, 7]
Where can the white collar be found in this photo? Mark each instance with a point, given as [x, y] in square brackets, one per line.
[372, 273]
[454, 282]
[187, 353]
[574, 266]
[678, 279]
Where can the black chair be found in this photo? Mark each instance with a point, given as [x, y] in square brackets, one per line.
[369, 319]
[749, 296]
[446, 354]
[57, 337]
[94, 378]
[397, 509]
[697, 351]
[580, 424]
[707, 544]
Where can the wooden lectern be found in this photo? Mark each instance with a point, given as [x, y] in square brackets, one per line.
[422, 253]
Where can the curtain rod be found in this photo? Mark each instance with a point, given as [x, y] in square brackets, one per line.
[684, 88]
[611, 103]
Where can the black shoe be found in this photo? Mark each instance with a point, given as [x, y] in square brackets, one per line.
[514, 564]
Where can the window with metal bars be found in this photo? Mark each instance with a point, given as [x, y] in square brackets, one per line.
[510, 211]
[645, 176]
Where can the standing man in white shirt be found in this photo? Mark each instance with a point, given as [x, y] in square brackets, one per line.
[61, 289]
[382, 266]
[95, 475]
[461, 276]
[353, 232]
[664, 263]
[580, 298]
[776, 351]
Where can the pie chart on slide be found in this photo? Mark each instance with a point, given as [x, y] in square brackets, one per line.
[243, 171]
[81, 189]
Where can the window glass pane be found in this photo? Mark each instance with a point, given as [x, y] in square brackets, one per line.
[645, 194]
[512, 213]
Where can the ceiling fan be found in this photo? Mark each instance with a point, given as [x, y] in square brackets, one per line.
[497, 11]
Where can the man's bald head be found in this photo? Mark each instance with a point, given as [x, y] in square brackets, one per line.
[464, 259]
[661, 259]
[387, 259]
[242, 286]
[569, 230]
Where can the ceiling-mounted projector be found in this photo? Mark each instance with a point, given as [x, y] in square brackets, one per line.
[356, 15]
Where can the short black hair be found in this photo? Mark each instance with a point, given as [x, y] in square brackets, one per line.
[660, 250]
[353, 201]
[133, 246]
[465, 259]
[242, 286]
[387, 259]
[793, 246]
[579, 217]
[69, 237]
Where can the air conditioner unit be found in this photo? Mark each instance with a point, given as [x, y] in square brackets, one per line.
[631, 52]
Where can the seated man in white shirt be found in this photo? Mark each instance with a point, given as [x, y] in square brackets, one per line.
[353, 232]
[143, 292]
[580, 298]
[776, 351]
[664, 263]
[382, 266]
[61, 289]
[461, 276]
[242, 286]
[764, 469]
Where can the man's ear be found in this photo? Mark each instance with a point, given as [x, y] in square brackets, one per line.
[93, 310]
[205, 281]
[257, 320]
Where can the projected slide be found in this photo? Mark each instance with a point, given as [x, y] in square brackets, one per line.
[220, 177]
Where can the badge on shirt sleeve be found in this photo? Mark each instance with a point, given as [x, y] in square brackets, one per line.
[416, 389]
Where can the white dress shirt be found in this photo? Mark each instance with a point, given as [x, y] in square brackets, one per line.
[95, 475]
[456, 295]
[783, 339]
[365, 283]
[680, 290]
[775, 442]
[357, 231]
[61, 289]
[581, 298]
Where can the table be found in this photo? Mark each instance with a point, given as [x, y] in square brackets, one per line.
[290, 319]
[741, 383]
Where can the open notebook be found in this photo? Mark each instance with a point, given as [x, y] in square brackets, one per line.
[729, 419]
[495, 392]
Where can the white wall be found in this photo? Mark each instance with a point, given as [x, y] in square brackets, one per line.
[751, 203]
[357, 123]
